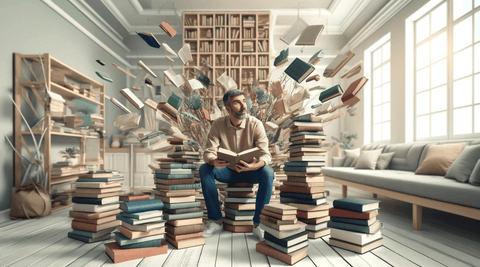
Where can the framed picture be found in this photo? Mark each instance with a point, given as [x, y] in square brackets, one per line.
[166, 81]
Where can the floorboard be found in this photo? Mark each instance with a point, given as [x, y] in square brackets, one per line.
[209, 253]
[224, 254]
[352, 258]
[240, 256]
[256, 259]
[332, 256]
[392, 258]
[87, 257]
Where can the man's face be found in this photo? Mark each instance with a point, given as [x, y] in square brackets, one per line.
[238, 107]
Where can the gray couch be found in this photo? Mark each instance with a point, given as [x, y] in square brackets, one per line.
[400, 182]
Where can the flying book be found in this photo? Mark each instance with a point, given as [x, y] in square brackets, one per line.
[104, 76]
[150, 103]
[132, 98]
[315, 77]
[169, 49]
[234, 158]
[316, 57]
[100, 62]
[146, 69]
[294, 31]
[124, 70]
[176, 79]
[281, 59]
[185, 54]
[169, 59]
[227, 82]
[149, 38]
[310, 35]
[202, 77]
[337, 64]
[330, 93]
[353, 70]
[175, 101]
[167, 29]
[354, 88]
[299, 70]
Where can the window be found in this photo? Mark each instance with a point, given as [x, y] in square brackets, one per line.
[447, 71]
[381, 93]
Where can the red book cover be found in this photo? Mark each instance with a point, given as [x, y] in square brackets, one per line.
[120, 255]
[334, 212]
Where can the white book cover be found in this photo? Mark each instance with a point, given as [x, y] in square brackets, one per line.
[132, 97]
[97, 184]
[176, 79]
[144, 227]
[169, 49]
[146, 69]
[144, 214]
[354, 237]
[94, 208]
[185, 54]
[316, 227]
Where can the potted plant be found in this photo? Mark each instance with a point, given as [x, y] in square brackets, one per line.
[70, 154]
[345, 140]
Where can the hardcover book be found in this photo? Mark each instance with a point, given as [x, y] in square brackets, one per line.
[356, 204]
[120, 255]
[92, 227]
[183, 215]
[123, 240]
[92, 234]
[149, 38]
[93, 215]
[94, 208]
[185, 205]
[130, 198]
[234, 158]
[353, 237]
[353, 221]
[132, 98]
[371, 229]
[289, 249]
[310, 35]
[167, 29]
[334, 212]
[142, 205]
[281, 59]
[238, 228]
[316, 57]
[337, 64]
[281, 209]
[139, 234]
[88, 239]
[294, 31]
[289, 241]
[291, 258]
[330, 93]
[187, 243]
[354, 88]
[303, 201]
[355, 248]
[142, 215]
[96, 201]
[144, 227]
[299, 70]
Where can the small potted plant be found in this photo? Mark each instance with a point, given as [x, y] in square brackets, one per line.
[345, 140]
[70, 154]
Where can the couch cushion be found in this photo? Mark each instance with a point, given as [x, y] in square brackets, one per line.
[428, 186]
[475, 176]
[384, 161]
[439, 158]
[350, 156]
[368, 159]
[406, 156]
[462, 167]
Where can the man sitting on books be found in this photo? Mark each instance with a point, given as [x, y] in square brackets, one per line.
[236, 132]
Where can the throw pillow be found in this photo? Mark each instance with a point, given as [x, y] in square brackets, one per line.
[368, 159]
[475, 176]
[439, 158]
[462, 167]
[350, 156]
[384, 160]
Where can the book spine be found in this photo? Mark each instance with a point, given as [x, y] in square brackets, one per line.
[146, 244]
[296, 195]
[184, 186]
[348, 214]
[182, 205]
[347, 206]
[240, 213]
[183, 215]
[144, 205]
[350, 221]
[295, 189]
[81, 200]
[299, 200]
[173, 176]
[294, 169]
[349, 227]
[81, 180]
[273, 239]
[276, 246]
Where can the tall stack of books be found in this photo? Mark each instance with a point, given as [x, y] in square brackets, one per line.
[142, 231]
[176, 187]
[280, 176]
[285, 237]
[304, 188]
[240, 207]
[96, 204]
[354, 225]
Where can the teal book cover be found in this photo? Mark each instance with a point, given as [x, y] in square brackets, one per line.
[175, 101]
[181, 166]
[240, 212]
[315, 55]
[299, 70]
[356, 204]
[184, 186]
[173, 176]
[146, 244]
[150, 40]
[180, 216]
[330, 93]
[351, 227]
[142, 205]
[182, 205]
[349, 220]
[307, 133]
[283, 55]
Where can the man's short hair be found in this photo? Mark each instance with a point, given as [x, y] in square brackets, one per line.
[229, 94]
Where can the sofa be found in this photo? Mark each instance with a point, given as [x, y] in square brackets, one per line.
[400, 182]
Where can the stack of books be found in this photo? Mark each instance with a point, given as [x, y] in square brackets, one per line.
[239, 207]
[280, 176]
[285, 237]
[96, 204]
[304, 188]
[142, 231]
[176, 187]
[354, 225]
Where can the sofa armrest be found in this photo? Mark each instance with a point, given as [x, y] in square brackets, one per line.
[338, 161]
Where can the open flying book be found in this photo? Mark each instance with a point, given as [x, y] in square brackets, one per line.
[146, 69]
[185, 54]
[294, 31]
[337, 64]
[149, 38]
[227, 82]
[310, 35]
[316, 57]
[353, 70]
[132, 98]
[234, 158]
[176, 79]
[191, 85]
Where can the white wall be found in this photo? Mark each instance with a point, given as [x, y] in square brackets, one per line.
[31, 27]
[396, 27]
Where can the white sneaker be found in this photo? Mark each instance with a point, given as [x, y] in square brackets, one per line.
[257, 231]
[211, 228]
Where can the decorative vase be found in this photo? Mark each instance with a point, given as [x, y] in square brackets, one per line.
[115, 142]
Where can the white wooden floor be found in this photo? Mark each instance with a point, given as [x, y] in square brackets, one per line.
[446, 240]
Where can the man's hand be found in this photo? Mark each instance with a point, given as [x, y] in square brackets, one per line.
[218, 163]
[245, 167]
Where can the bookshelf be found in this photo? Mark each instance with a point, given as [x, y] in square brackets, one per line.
[29, 92]
[235, 42]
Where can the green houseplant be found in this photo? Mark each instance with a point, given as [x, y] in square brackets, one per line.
[345, 140]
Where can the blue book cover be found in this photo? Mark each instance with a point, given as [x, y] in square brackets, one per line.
[297, 169]
[173, 176]
[286, 242]
[297, 195]
[240, 212]
[282, 56]
[150, 40]
[356, 204]
[315, 202]
[183, 156]
[304, 164]
[146, 244]
[196, 214]
[303, 119]
[184, 186]
[142, 205]
[299, 70]
[349, 220]
[355, 228]
[184, 205]
[307, 133]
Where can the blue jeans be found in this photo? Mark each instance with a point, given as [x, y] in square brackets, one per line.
[263, 177]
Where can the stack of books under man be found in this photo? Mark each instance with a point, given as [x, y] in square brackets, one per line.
[176, 187]
[304, 188]
[285, 237]
[239, 207]
[354, 225]
[142, 231]
[96, 204]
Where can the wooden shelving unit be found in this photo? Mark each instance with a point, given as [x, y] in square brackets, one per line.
[222, 39]
[23, 80]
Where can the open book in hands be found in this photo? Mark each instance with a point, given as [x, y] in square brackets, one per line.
[234, 158]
